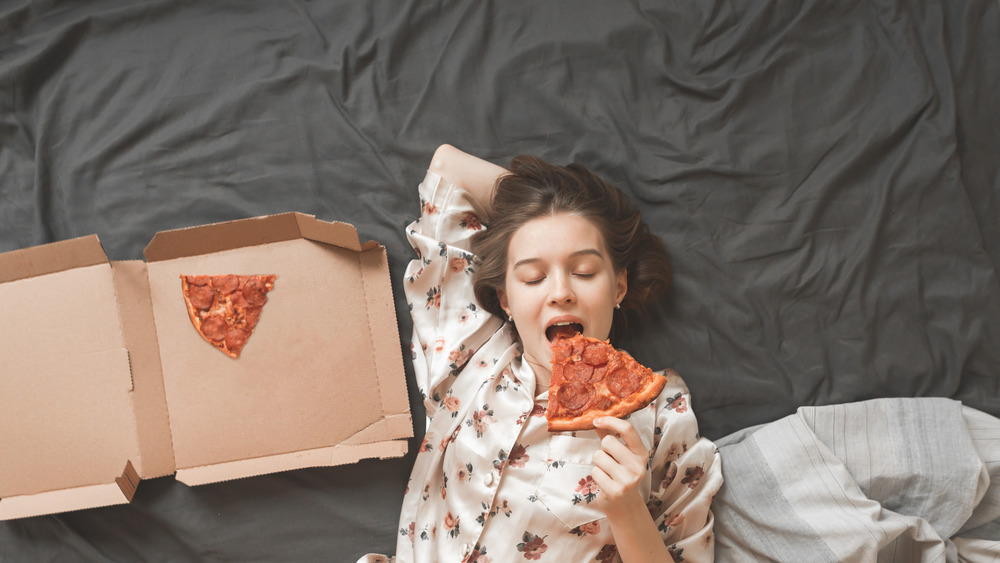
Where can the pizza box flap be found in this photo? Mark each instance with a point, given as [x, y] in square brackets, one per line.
[66, 388]
[156, 457]
[319, 457]
[51, 258]
[218, 237]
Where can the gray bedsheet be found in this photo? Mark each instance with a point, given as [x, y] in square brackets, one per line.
[824, 175]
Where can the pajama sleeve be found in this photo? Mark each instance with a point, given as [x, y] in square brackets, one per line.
[448, 324]
[686, 474]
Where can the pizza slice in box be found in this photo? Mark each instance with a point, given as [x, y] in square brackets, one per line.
[591, 379]
[224, 309]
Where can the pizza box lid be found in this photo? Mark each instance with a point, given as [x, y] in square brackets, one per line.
[68, 430]
[133, 392]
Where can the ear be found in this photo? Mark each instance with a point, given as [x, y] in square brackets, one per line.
[621, 286]
[502, 297]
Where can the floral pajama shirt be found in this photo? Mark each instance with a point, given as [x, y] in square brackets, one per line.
[490, 482]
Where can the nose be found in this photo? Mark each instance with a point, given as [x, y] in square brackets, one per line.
[562, 290]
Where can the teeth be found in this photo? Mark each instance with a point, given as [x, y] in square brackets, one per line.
[552, 334]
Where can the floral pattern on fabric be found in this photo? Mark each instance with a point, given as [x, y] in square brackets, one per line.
[532, 546]
[586, 490]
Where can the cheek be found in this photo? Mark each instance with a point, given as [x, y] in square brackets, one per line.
[604, 294]
[602, 309]
[520, 301]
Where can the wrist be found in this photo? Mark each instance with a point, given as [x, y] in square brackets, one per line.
[631, 508]
[636, 534]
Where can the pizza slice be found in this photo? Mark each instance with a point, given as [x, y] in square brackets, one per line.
[591, 379]
[225, 309]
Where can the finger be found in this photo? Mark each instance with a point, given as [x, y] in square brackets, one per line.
[629, 462]
[601, 477]
[616, 449]
[601, 433]
[606, 470]
[606, 461]
[624, 430]
[623, 469]
[606, 426]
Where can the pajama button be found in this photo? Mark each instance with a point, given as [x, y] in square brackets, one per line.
[488, 480]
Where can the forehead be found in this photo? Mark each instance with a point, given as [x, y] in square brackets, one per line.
[553, 237]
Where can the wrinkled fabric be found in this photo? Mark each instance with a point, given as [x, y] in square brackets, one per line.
[823, 175]
[882, 480]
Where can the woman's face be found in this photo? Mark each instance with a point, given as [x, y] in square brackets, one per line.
[559, 278]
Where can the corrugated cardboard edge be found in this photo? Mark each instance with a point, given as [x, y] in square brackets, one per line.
[120, 491]
[135, 310]
[219, 237]
[51, 258]
[319, 457]
[397, 422]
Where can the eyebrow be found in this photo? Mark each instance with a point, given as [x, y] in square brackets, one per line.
[584, 252]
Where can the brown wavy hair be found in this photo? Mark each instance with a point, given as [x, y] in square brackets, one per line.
[535, 188]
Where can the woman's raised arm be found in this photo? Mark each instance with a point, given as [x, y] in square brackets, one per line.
[475, 175]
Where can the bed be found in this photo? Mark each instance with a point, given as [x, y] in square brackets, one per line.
[824, 174]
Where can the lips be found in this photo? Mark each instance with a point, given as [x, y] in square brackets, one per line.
[563, 327]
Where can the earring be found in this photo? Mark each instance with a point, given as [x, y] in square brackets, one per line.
[510, 318]
[618, 305]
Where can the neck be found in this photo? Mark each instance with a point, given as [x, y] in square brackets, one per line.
[543, 374]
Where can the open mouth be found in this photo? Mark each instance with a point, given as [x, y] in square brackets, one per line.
[563, 330]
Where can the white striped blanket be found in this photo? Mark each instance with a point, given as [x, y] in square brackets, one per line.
[882, 480]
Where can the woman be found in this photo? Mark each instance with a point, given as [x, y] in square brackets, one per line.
[564, 252]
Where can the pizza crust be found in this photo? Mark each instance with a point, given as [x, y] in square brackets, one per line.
[591, 379]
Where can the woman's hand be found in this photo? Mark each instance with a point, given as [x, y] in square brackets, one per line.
[619, 467]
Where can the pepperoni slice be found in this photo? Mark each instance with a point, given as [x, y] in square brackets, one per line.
[601, 403]
[226, 284]
[580, 372]
[562, 349]
[253, 315]
[238, 301]
[214, 328]
[599, 373]
[623, 382]
[575, 396]
[595, 354]
[202, 297]
[197, 280]
[235, 339]
[255, 292]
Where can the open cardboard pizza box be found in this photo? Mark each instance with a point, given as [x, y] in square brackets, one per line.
[104, 381]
